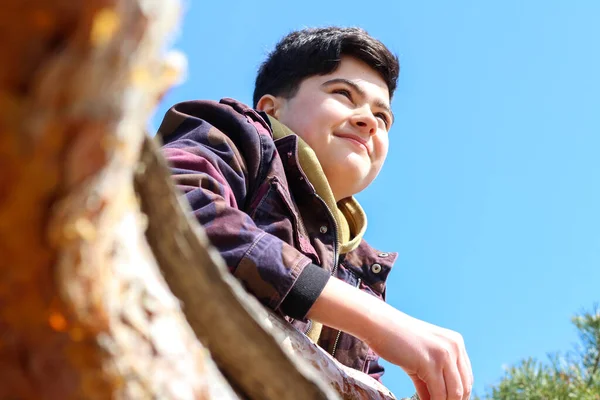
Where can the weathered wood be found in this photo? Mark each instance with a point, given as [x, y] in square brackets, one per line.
[256, 350]
[84, 312]
[348, 382]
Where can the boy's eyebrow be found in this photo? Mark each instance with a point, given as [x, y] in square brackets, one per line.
[379, 103]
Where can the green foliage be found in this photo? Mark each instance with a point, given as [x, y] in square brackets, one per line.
[574, 375]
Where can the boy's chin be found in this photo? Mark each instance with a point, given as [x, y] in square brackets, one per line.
[350, 173]
[358, 171]
[351, 181]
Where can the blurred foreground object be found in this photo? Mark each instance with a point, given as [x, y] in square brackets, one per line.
[107, 288]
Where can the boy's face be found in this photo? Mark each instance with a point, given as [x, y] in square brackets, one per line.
[344, 117]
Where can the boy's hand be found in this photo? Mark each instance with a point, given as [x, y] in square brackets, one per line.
[435, 358]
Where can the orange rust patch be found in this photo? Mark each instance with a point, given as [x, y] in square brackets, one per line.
[57, 322]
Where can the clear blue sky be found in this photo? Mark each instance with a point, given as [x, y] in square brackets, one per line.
[490, 193]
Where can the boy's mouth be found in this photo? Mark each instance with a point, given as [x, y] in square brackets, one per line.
[357, 140]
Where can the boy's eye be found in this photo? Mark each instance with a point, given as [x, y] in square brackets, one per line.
[384, 118]
[343, 92]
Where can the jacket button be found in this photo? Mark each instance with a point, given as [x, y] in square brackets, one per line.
[323, 229]
[383, 255]
[376, 268]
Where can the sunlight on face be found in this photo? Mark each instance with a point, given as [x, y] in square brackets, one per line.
[345, 118]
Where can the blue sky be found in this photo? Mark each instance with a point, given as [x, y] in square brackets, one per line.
[490, 192]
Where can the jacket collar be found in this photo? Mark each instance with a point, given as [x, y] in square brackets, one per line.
[351, 220]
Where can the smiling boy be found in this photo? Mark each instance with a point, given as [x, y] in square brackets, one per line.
[273, 186]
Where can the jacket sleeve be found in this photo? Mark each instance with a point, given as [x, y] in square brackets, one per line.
[215, 170]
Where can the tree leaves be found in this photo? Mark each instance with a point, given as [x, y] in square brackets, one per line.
[573, 375]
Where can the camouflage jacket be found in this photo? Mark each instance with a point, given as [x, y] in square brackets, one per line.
[261, 213]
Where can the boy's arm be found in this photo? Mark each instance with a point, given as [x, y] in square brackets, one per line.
[214, 171]
[434, 358]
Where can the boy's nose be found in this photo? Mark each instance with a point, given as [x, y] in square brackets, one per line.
[366, 122]
[365, 127]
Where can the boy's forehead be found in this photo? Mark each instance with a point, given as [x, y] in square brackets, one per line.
[355, 73]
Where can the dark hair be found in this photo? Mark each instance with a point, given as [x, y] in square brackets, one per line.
[318, 51]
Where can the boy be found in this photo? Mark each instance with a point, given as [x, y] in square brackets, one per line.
[273, 185]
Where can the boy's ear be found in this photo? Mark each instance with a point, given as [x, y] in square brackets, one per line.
[269, 104]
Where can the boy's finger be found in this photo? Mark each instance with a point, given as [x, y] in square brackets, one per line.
[436, 386]
[421, 388]
[454, 385]
[465, 376]
[468, 362]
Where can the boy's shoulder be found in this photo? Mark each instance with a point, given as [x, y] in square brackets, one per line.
[232, 137]
[205, 119]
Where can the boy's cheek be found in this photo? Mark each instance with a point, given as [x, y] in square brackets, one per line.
[381, 149]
